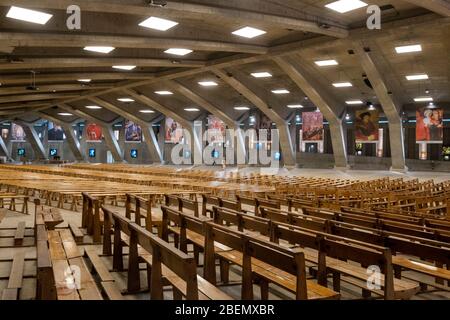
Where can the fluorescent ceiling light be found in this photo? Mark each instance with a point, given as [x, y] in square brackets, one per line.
[128, 68]
[343, 6]
[262, 75]
[147, 111]
[326, 63]
[93, 107]
[191, 109]
[99, 49]
[295, 106]
[208, 83]
[249, 32]
[125, 100]
[65, 114]
[28, 15]
[164, 93]
[281, 91]
[342, 84]
[178, 51]
[423, 99]
[408, 49]
[85, 80]
[353, 102]
[417, 77]
[158, 24]
[241, 108]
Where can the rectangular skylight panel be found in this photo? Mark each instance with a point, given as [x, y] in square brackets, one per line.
[158, 24]
[28, 15]
[408, 49]
[99, 49]
[326, 63]
[261, 75]
[342, 85]
[344, 6]
[249, 32]
[417, 77]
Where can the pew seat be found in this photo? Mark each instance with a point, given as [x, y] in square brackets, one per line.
[279, 277]
[403, 263]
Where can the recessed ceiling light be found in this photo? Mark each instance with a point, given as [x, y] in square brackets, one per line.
[191, 110]
[65, 114]
[147, 111]
[241, 108]
[93, 107]
[85, 80]
[295, 106]
[99, 49]
[128, 68]
[208, 83]
[353, 102]
[423, 99]
[262, 75]
[326, 63]
[342, 84]
[408, 49]
[28, 15]
[343, 6]
[125, 100]
[164, 93]
[178, 51]
[417, 77]
[158, 24]
[280, 91]
[249, 32]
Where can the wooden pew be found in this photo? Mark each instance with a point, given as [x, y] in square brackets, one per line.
[192, 230]
[15, 282]
[268, 262]
[164, 262]
[135, 204]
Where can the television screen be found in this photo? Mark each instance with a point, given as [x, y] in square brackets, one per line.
[21, 152]
[91, 153]
[277, 156]
[134, 153]
[53, 152]
[215, 154]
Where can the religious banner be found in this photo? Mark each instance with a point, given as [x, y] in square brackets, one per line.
[264, 123]
[216, 130]
[55, 132]
[17, 133]
[94, 133]
[367, 126]
[430, 125]
[174, 131]
[312, 129]
[133, 132]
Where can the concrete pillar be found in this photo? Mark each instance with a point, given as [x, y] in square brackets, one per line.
[323, 100]
[390, 106]
[73, 142]
[33, 138]
[112, 143]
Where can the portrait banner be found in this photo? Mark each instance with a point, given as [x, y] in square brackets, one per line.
[430, 125]
[312, 129]
[17, 133]
[94, 133]
[216, 130]
[174, 131]
[55, 132]
[367, 126]
[133, 132]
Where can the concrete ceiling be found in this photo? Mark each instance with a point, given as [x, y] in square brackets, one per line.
[305, 30]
